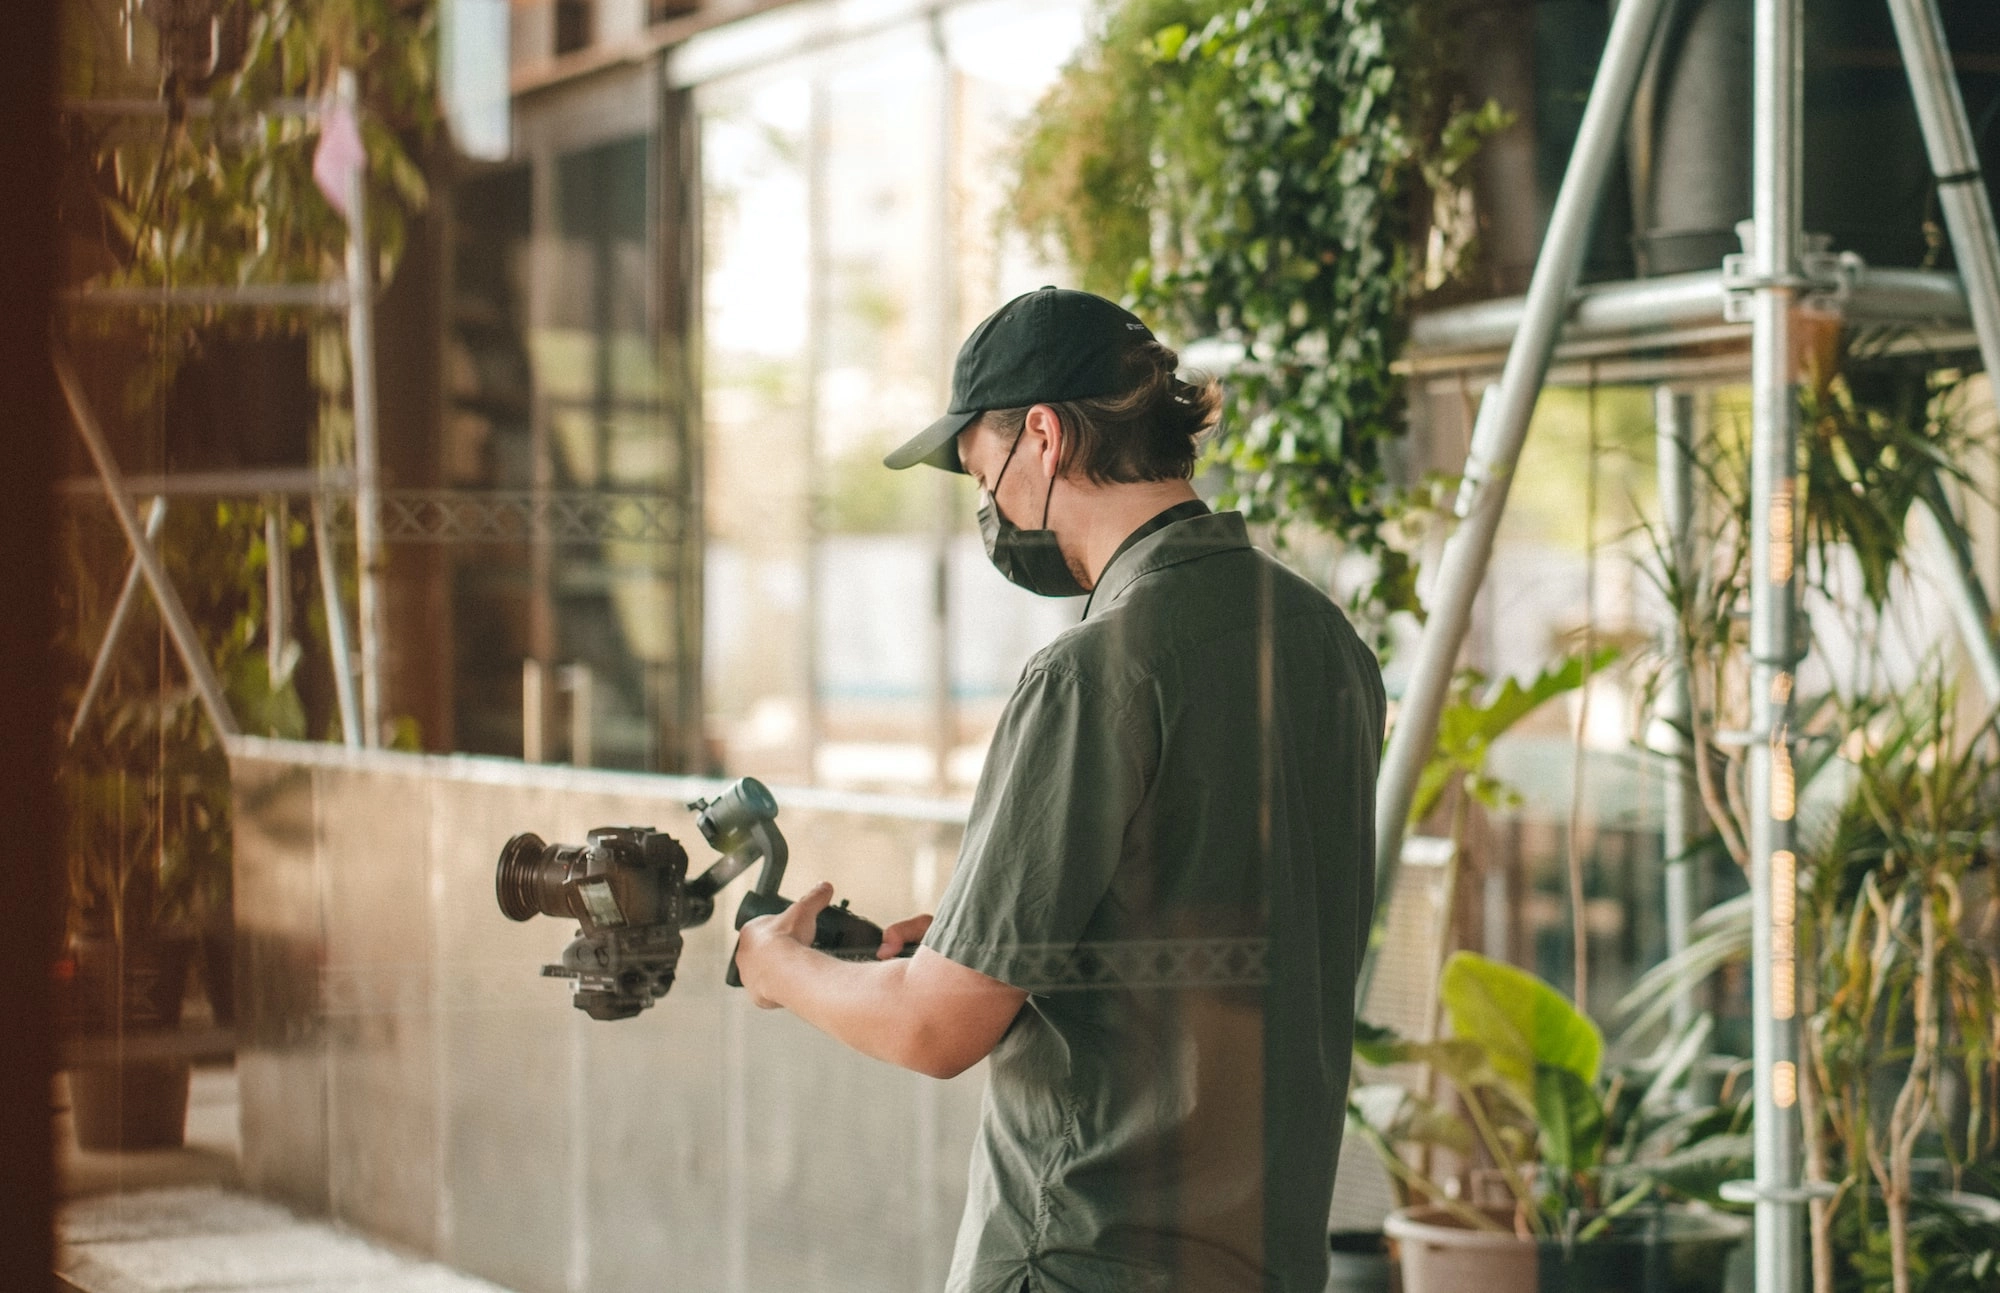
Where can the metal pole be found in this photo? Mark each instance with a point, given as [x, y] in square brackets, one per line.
[1774, 247]
[128, 596]
[1674, 441]
[1501, 427]
[277, 588]
[367, 457]
[819, 283]
[336, 626]
[582, 688]
[186, 641]
[534, 711]
[1954, 158]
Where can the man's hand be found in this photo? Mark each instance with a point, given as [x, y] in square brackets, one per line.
[901, 935]
[758, 941]
[925, 1013]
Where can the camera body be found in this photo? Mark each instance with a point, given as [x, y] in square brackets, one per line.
[628, 890]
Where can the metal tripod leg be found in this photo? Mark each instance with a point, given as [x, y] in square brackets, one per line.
[1975, 244]
[1968, 209]
[179, 626]
[336, 626]
[1501, 427]
[1944, 547]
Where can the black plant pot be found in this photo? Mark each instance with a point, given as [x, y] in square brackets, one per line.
[129, 991]
[218, 972]
[1358, 1262]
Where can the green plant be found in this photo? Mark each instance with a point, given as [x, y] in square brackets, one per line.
[226, 195]
[145, 783]
[1899, 989]
[1478, 713]
[1947, 1247]
[1902, 996]
[1576, 1147]
[1259, 172]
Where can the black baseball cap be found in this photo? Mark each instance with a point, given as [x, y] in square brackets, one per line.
[1050, 345]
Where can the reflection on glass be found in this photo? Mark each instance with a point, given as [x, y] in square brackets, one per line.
[853, 207]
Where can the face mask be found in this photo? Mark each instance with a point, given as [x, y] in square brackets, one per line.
[1029, 558]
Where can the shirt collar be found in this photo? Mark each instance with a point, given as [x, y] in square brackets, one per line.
[1181, 533]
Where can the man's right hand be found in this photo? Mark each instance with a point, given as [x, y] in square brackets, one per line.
[900, 935]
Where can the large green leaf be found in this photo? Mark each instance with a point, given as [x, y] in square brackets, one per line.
[1572, 1120]
[1469, 726]
[1519, 1021]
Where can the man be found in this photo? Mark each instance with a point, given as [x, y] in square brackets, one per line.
[1165, 889]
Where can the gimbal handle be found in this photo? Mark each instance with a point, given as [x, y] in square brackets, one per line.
[741, 824]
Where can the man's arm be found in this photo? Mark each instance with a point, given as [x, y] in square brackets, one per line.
[926, 1013]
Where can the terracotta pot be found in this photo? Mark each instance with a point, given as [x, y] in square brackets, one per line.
[1668, 1250]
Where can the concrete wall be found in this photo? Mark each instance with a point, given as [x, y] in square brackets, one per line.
[406, 1070]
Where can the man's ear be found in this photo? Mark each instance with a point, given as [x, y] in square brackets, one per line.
[1042, 420]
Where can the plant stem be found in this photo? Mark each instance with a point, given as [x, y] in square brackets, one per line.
[1811, 1118]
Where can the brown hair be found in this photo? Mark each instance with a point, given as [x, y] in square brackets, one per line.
[1149, 431]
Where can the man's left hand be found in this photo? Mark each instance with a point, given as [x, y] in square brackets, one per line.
[759, 942]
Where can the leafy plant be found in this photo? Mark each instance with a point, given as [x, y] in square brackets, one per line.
[1948, 1246]
[1477, 714]
[1898, 988]
[1899, 994]
[1575, 1147]
[225, 195]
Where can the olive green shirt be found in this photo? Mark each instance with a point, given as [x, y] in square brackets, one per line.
[1170, 849]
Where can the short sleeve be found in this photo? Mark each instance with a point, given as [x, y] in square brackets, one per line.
[1062, 781]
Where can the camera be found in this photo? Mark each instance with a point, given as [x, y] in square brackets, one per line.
[628, 891]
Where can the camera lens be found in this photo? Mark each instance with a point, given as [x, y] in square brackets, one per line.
[530, 877]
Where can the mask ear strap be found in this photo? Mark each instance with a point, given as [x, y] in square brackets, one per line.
[1005, 464]
[1052, 488]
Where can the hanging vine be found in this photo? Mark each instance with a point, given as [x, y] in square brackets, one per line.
[1262, 173]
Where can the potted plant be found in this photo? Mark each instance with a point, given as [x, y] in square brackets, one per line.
[142, 849]
[145, 786]
[1543, 1170]
[1898, 992]
[1898, 793]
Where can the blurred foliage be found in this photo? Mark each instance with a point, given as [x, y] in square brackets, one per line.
[218, 189]
[1951, 1248]
[1271, 174]
[1899, 982]
[1477, 713]
[227, 195]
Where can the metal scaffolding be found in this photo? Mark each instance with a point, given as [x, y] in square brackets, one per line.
[360, 725]
[1761, 293]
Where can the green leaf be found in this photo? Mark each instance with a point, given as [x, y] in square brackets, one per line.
[1519, 1022]
[1572, 1120]
[1468, 728]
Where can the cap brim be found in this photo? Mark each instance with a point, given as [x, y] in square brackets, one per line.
[935, 446]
